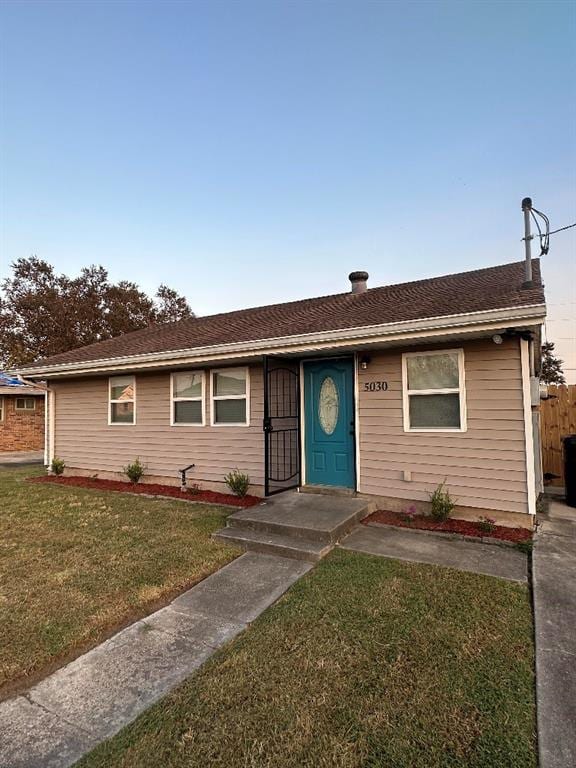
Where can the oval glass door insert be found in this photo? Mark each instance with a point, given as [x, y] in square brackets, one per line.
[328, 406]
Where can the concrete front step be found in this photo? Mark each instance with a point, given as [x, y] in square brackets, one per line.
[328, 490]
[274, 544]
[321, 519]
[296, 525]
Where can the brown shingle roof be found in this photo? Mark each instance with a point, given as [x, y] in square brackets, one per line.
[479, 290]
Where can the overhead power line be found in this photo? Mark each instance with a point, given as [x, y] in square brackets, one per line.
[544, 236]
[562, 229]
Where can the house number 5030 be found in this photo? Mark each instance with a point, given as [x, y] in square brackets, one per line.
[375, 386]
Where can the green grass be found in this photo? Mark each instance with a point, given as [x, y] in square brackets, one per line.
[364, 662]
[75, 564]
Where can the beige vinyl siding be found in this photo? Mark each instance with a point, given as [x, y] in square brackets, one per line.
[485, 467]
[85, 440]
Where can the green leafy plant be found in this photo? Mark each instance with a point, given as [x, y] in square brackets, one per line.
[57, 466]
[525, 546]
[442, 503]
[238, 482]
[486, 524]
[134, 471]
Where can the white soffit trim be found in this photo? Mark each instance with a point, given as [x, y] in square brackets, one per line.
[487, 320]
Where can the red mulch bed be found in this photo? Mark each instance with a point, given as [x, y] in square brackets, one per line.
[463, 527]
[151, 489]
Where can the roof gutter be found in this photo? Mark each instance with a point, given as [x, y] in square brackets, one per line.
[533, 314]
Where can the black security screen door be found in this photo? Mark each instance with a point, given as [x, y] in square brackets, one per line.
[281, 424]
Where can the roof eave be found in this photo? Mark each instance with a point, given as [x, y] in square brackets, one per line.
[532, 314]
[22, 391]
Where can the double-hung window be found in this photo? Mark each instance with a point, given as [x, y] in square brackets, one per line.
[230, 397]
[434, 396]
[122, 400]
[188, 398]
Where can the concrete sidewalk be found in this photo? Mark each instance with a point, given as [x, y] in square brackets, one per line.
[554, 590]
[93, 697]
[435, 549]
[20, 458]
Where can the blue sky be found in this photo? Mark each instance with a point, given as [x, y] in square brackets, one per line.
[254, 152]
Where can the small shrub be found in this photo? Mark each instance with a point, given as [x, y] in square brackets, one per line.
[57, 466]
[134, 471]
[486, 524]
[193, 489]
[238, 482]
[409, 514]
[442, 504]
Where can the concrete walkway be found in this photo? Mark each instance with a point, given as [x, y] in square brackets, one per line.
[554, 589]
[20, 458]
[93, 697]
[420, 547]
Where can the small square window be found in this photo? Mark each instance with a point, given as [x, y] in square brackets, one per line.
[230, 397]
[188, 398]
[434, 396]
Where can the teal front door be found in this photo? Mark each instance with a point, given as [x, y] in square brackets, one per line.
[329, 422]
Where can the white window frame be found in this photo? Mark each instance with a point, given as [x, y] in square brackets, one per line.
[214, 397]
[460, 390]
[174, 399]
[1, 408]
[110, 401]
[24, 397]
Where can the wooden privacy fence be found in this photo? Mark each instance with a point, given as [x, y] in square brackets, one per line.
[557, 419]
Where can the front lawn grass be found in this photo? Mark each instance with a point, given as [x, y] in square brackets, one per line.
[77, 564]
[364, 662]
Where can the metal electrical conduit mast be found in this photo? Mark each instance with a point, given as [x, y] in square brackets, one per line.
[530, 213]
[533, 213]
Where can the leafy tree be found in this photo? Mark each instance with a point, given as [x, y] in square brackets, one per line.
[551, 370]
[43, 313]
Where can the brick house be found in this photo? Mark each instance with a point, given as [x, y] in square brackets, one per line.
[22, 423]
